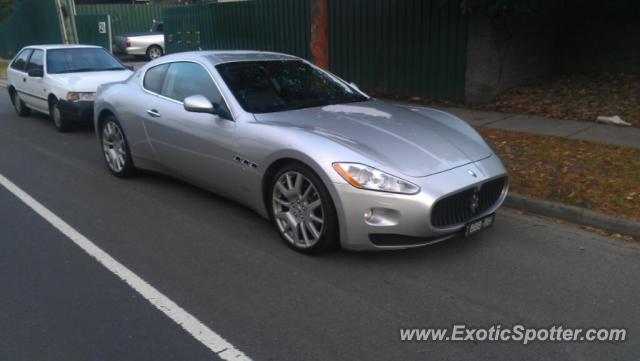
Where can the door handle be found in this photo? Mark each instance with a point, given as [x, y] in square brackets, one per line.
[24, 80]
[153, 113]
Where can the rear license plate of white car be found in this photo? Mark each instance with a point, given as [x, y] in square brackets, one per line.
[479, 225]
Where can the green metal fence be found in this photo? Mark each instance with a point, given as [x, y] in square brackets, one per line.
[95, 30]
[388, 47]
[31, 22]
[400, 47]
[274, 25]
[126, 18]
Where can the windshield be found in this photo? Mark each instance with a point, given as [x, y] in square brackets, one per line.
[81, 60]
[278, 85]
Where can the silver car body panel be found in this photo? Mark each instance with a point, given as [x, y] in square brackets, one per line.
[139, 42]
[432, 149]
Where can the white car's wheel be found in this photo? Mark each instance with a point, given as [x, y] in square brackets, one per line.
[61, 123]
[19, 105]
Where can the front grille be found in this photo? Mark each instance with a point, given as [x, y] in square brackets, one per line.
[464, 206]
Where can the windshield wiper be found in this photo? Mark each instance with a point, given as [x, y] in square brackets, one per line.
[75, 70]
[113, 68]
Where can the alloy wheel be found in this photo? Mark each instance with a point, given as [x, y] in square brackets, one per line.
[154, 53]
[297, 208]
[113, 146]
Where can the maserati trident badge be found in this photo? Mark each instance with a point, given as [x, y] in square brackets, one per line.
[475, 202]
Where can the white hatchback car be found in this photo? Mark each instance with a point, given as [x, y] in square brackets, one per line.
[61, 81]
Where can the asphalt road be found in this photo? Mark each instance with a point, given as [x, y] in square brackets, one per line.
[228, 267]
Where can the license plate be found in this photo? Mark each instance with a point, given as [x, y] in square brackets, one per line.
[479, 225]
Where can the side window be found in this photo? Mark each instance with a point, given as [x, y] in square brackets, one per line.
[187, 79]
[154, 77]
[21, 60]
[36, 61]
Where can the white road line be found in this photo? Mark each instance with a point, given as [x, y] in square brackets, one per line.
[192, 325]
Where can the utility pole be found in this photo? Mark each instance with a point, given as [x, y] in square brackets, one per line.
[66, 11]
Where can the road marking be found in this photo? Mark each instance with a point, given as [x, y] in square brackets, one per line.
[221, 347]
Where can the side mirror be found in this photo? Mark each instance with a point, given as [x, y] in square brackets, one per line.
[200, 104]
[129, 66]
[36, 73]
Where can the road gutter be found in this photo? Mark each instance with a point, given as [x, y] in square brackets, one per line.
[573, 214]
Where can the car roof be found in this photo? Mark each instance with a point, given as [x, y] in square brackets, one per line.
[228, 56]
[60, 46]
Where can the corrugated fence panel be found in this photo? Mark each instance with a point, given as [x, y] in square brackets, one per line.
[31, 22]
[388, 47]
[400, 47]
[271, 25]
[126, 18]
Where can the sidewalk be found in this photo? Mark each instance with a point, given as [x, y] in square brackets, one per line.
[572, 129]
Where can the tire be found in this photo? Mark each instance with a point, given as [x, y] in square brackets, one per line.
[154, 52]
[62, 124]
[115, 148]
[18, 104]
[316, 224]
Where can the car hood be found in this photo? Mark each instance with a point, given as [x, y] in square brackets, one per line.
[89, 81]
[414, 141]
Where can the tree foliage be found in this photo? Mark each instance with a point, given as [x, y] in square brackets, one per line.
[6, 7]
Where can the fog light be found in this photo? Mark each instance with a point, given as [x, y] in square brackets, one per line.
[368, 214]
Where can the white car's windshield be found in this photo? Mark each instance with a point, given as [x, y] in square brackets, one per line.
[279, 85]
[75, 60]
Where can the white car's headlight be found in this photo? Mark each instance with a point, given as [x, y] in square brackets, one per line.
[75, 96]
[365, 177]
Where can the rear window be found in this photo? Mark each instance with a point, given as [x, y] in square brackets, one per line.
[20, 63]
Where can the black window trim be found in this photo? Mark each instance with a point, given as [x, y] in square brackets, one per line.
[224, 98]
[44, 59]
[25, 64]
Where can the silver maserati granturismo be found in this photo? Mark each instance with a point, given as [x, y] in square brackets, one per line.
[327, 164]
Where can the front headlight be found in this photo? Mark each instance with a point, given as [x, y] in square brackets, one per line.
[365, 177]
[75, 96]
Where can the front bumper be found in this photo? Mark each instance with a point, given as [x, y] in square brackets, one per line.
[404, 221]
[80, 111]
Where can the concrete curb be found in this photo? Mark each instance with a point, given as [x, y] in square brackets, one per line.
[573, 214]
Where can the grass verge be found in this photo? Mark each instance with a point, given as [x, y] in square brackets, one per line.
[3, 70]
[596, 176]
